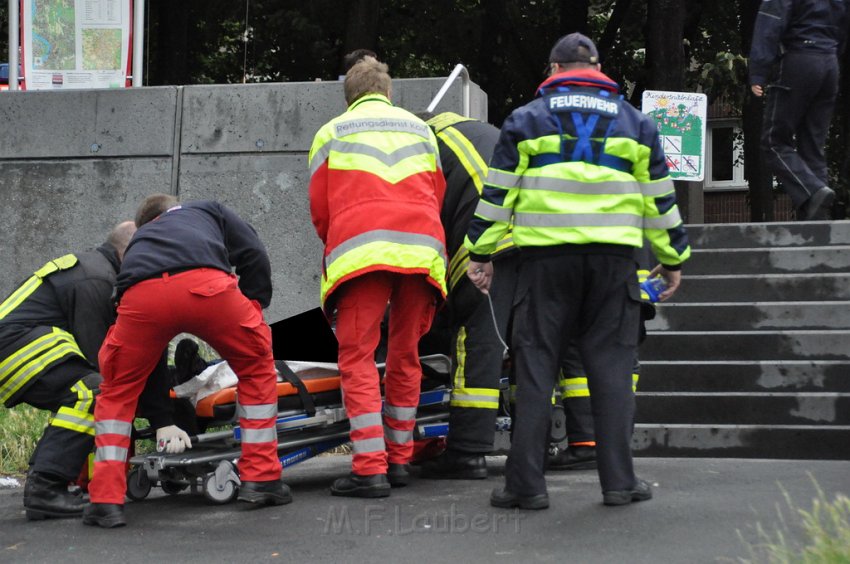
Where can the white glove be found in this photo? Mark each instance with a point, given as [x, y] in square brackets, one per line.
[172, 439]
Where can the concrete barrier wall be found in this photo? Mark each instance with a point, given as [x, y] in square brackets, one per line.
[74, 163]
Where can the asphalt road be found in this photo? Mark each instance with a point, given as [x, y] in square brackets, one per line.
[704, 510]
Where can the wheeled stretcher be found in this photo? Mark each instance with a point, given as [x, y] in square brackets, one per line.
[311, 420]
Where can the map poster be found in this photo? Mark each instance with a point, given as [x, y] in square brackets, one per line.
[681, 119]
[75, 44]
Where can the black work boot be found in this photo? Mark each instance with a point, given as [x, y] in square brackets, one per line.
[398, 475]
[816, 208]
[640, 492]
[455, 465]
[272, 492]
[46, 495]
[355, 485]
[507, 500]
[106, 515]
[573, 458]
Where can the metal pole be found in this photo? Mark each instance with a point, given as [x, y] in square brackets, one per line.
[138, 41]
[464, 75]
[14, 40]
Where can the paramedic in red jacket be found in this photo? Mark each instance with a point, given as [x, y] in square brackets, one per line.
[375, 194]
[176, 277]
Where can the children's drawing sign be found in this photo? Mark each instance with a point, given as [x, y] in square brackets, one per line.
[681, 119]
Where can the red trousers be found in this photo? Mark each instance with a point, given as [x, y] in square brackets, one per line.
[207, 303]
[379, 437]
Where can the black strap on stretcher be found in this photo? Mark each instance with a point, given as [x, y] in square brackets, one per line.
[292, 378]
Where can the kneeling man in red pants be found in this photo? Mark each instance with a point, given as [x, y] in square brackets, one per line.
[176, 277]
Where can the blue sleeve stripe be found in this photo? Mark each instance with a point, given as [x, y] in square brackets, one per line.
[477, 227]
[678, 239]
[665, 203]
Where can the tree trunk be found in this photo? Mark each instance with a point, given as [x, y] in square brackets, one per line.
[172, 53]
[759, 179]
[842, 188]
[574, 16]
[665, 59]
[618, 14]
[361, 29]
[665, 53]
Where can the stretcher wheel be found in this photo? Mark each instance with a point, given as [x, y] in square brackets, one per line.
[138, 484]
[558, 425]
[172, 488]
[219, 492]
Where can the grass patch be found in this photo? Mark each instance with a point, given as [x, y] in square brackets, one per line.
[20, 429]
[824, 531]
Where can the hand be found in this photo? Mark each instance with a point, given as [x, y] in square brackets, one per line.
[672, 277]
[481, 275]
[172, 439]
[757, 90]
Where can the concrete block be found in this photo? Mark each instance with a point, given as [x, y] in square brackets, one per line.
[270, 192]
[54, 207]
[257, 118]
[94, 123]
[284, 117]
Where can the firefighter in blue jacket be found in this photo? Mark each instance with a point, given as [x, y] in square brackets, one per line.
[582, 178]
[794, 60]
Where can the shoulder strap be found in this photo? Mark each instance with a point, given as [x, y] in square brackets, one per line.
[33, 282]
[292, 378]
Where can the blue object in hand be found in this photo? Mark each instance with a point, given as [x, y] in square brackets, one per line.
[653, 287]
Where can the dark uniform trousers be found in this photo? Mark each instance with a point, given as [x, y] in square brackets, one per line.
[797, 116]
[574, 395]
[478, 357]
[596, 299]
[67, 390]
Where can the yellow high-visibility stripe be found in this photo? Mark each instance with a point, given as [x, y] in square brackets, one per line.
[481, 398]
[28, 371]
[33, 282]
[19, 295]
[466, 153]
[74, 420]
[407, 251]
[635, 378]
[37, 346]
[28, 361]
[574, 388]
[460, 353]
[446, 119]
[85, 397]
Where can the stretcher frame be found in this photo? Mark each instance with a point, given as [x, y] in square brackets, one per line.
[210, 466]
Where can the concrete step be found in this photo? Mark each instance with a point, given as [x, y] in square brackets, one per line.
[768, 288]
[758, 261]
[744, 316]
[743, 441]
[738, 235]
[745, 376]
[746, 345]
[743, 408]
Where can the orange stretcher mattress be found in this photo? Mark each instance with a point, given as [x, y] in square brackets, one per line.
[315, 385]
[321, 381]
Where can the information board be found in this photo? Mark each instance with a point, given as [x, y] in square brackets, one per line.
[681, 119]
[68, 44]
